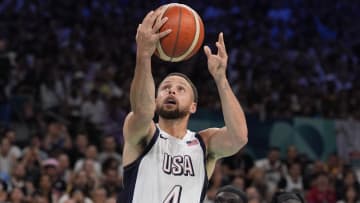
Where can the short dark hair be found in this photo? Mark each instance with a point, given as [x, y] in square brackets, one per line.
[281, 197]
[195, 92]
[234, 190]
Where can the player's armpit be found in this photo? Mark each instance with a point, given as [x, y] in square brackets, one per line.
[220, 143]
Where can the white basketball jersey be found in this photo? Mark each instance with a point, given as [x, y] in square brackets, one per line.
[170, 170]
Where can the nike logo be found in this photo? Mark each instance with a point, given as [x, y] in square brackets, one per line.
[162, 137]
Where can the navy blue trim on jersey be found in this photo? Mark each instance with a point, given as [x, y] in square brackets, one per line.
[131, 172]
[206, 181]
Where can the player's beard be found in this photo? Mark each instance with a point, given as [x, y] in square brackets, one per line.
[171, 114]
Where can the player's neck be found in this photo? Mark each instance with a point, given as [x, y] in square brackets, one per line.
[176, 127]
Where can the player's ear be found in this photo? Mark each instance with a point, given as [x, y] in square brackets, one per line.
[193, 107]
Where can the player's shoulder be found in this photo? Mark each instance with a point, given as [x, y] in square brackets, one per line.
[207, 133]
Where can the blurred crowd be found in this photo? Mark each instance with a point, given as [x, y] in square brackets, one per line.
[331, 181]
[55, 168]
[66, 68]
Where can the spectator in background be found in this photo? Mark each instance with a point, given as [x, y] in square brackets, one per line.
[237, 164]
[18, 176]
[349, 180]
[14, 149]
[74, 101]
[65, 171]
[291, 156]
[94, 113]
[109, 155]
[99, 195]
[314, 169]
[94, 109]
[33, 164]
[113, 164]
[321, 191]
[50, 167]
[76, 195]
[7, 159]
[44, 188]
[91, 156]
[273, 168]
[35, 145]
[111, 200]
[56, 137]
[334, 166]
[230, 194]
[89, 167]
[256, 178]
[112, 182]
[292, 181]
[17, 196]
[239, 182]
[254, 195]
[351, 195]
[79, 149]
[52, 93]
[109, 149]
[38, 198]
[81, 182]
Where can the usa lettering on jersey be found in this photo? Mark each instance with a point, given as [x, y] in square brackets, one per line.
[178, 165]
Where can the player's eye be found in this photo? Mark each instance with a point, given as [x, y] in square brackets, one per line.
[181, 89]
[166, 87]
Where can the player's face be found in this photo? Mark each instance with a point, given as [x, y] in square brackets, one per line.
[175, 98]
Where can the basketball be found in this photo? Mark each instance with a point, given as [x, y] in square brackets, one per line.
[187, 33]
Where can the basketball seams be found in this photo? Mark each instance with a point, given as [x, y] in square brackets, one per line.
[196, 37]
[159, 48]
[177, 34]
[201, 37]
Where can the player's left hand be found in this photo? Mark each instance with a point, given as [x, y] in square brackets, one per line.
[217, 63]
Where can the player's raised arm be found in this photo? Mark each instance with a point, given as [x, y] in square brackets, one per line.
[231, 138]
[142, 92]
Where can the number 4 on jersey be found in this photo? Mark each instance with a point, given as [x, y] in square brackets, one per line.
[174, 195]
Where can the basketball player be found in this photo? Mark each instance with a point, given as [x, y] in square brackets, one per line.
[166, 162]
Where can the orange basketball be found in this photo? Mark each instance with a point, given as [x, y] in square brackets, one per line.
[187, 33]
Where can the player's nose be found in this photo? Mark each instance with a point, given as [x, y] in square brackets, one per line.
[171, 91]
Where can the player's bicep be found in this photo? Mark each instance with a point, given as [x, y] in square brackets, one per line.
[220, 144]
[137, 127]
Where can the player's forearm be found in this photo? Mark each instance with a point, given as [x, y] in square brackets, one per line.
[142, 92]
[234, 116]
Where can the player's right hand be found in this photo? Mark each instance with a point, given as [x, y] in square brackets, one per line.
[148, 32]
